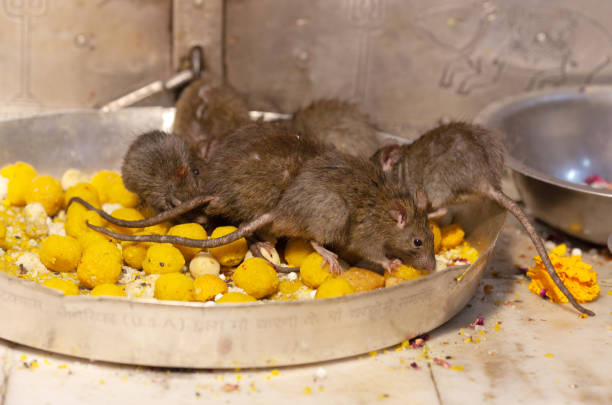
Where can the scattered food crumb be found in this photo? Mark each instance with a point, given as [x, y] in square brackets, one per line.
[441, 362]
[229, 387]
[478, 321]
[419, 341]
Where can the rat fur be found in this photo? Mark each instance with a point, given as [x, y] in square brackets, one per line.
[340, 123]
[287, 185]
[205, 112]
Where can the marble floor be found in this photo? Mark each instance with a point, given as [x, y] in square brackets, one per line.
[528, 351]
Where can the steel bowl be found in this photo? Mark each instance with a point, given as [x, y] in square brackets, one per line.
[173, 334]
[555, 140]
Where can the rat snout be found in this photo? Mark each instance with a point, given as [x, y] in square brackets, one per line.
[426, 262]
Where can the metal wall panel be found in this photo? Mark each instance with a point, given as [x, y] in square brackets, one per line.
[413, 63]
[72, 54]
[198, 22]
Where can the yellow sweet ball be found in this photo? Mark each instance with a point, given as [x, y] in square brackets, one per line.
[127, 214]
[20, 176]
[363, 279]
[89, 237]
[235, 297]
[334, 287]
[108, 289]
[157, 229]
[163, 258]
[232, 253]
[190, 230]
[452, 236]
[60, 253]
[117, 193]
[289, 287]
[76, 218]
[296, 251]
[100, 264]
[407, 273]
[85, 191]
[437, 234]
[134, 253]
[206, 287]
[174, 286]
[256, 277]
[65, 286]
[47, 191]
[291, 290]
[18, 168]
[311, 272]
[102, 182]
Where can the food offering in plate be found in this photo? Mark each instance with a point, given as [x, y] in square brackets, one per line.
[44, 242]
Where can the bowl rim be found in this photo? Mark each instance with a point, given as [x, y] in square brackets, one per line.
[519, 101]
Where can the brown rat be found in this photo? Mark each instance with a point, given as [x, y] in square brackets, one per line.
[292, 186]
[456, 163]
[162, 169]
[340, 123]
[205, 112]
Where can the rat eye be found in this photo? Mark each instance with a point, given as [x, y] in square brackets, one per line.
[417, 242]
[195, 172]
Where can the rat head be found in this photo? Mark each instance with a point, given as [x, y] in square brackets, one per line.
[162, 170]
[409, 237]
[220, 109]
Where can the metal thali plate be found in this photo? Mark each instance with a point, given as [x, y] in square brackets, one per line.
[172, 334]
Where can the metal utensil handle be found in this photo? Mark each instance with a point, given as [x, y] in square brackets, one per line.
[182, 77]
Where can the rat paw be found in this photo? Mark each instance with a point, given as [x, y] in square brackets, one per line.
[329, 258]
[391, 265]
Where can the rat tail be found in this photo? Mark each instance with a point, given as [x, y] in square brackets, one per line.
[513, 207]
[161, 217]
[244, 230]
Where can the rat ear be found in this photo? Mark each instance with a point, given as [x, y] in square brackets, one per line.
[399, 213]
[390, 155]
[421, 200]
